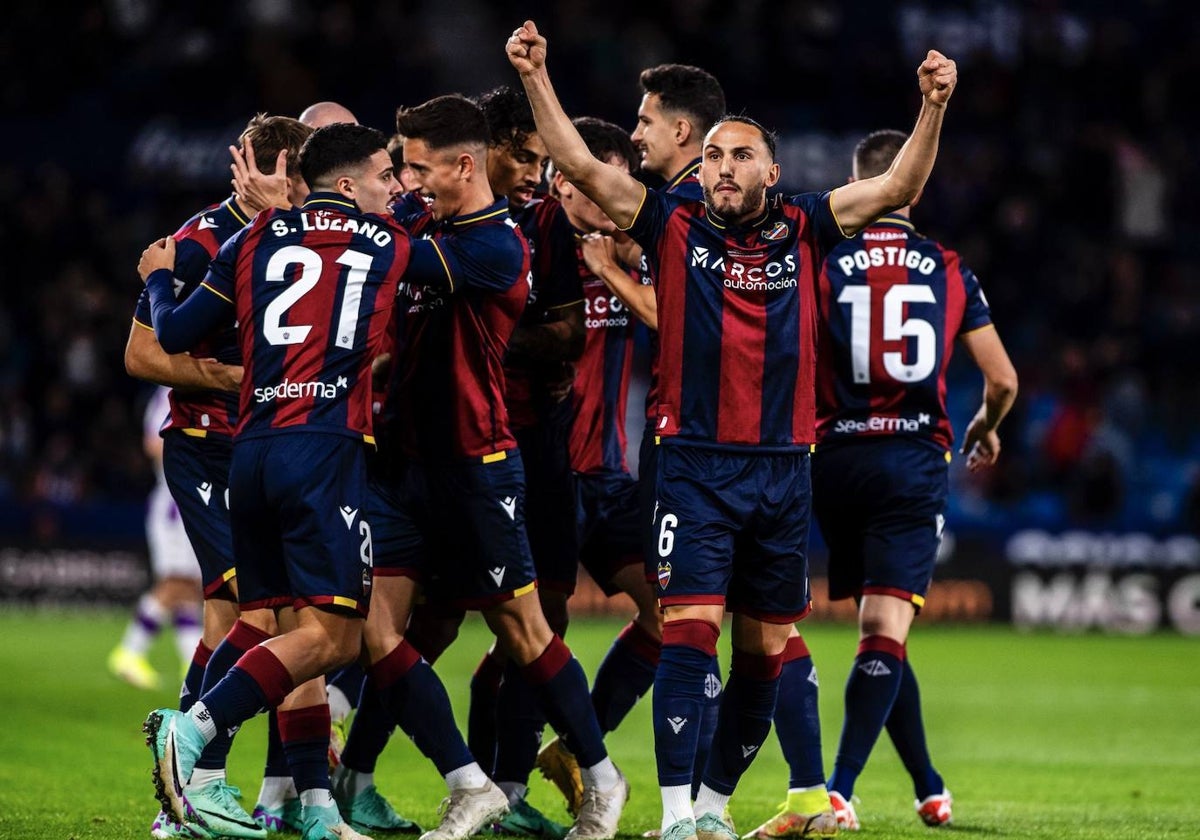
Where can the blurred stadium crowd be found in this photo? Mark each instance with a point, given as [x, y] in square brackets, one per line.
[1066, 178]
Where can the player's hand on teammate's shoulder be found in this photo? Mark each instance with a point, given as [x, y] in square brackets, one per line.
[159, 254]
[937, 76]
[526, 48]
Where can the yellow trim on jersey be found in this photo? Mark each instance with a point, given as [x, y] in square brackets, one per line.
[889, 219]
[334, 202]
[466, 220]
[369, 439]
[833, 213]
[138, 323]
[445, 265]
[977, 329]
[918, 601]
[812, 447]
[524, 590]
[683, 176]
[200, 433]
[638, 211]
[215, 292]
[229, 575]
[949, 456]
[657, 440]
[565, 305]
[234, 209]
[494, 457]
[339, 601]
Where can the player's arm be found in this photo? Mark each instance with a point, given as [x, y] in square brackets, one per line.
[618, 193]
[858, 204]
[559, 339]
[146, 360]
[599, 252]
[178, 326]
[981, 443]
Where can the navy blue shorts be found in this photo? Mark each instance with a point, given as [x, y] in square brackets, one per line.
[880, 506]
[393, 490]
[550, 498]
[610, 536]
[197, 472]
[472, 517]
[299, 525]
[732, 528]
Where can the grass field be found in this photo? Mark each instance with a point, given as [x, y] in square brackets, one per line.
[1040, 736]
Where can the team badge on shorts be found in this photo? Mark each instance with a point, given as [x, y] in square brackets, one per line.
[664, 575]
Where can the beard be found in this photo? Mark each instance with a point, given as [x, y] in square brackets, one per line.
[736, 206]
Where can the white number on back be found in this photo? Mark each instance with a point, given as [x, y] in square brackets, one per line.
[895, 328]
[275, 331]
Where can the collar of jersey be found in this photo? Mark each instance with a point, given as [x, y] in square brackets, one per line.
[683, 174]
[716, 221]
[497, 208]
[329, 199]
[897, 220]
[236, 210]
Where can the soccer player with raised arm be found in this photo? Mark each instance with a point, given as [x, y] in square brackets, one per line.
[737, 317]
[312, 290]
[893, 304]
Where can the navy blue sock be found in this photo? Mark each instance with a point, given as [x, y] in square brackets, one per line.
[258, 682]
[349, 680]
[418, 702]
[561, 687]
[626, 674]
[797, 717]
[276, 763]
[519, 725]
[370, 730]
[241, 638]
[305, 736]
[907, 731]
[747, 706]
[870, 692]
[710, 715]
[688, 650]
[193, 680]
[481, 714]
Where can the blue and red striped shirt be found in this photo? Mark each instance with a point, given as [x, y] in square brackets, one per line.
[601, 388]
[737, 318]
[553, 262]
[892, 303]
[461, 302]
[313, 290]
[202, 413]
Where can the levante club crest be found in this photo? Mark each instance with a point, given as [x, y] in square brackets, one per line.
[778, 232]
[664, 575]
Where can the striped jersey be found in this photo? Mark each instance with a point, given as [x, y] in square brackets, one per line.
[202, 413]
[685, 184]
[313, 290]
[459, 306]
[892, 303]
[601, 388]
[553, 262]
[737, 318]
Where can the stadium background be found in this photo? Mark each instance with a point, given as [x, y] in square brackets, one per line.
[1065, 178]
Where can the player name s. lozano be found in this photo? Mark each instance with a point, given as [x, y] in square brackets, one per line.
[300, 390]
[323, 220]
[875, 423]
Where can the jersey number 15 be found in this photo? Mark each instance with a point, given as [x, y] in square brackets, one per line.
[895, 328]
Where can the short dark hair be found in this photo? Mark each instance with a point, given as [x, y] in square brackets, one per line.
[444, 121]
[769, 137]
[509, 115]
[691, 90]
[334, 148]
[271, 135]
[874, 153]
[605, 139]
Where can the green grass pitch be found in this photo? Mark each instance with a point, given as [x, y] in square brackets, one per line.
[1037, 735]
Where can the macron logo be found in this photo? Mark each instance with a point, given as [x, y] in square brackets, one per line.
[348, 513]
[700, 256]
[748, 751]
[812, 677]
[205, 491]
[206, 223]
[509, 503]
[497, 574]
[677, 723]
[875, 668]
